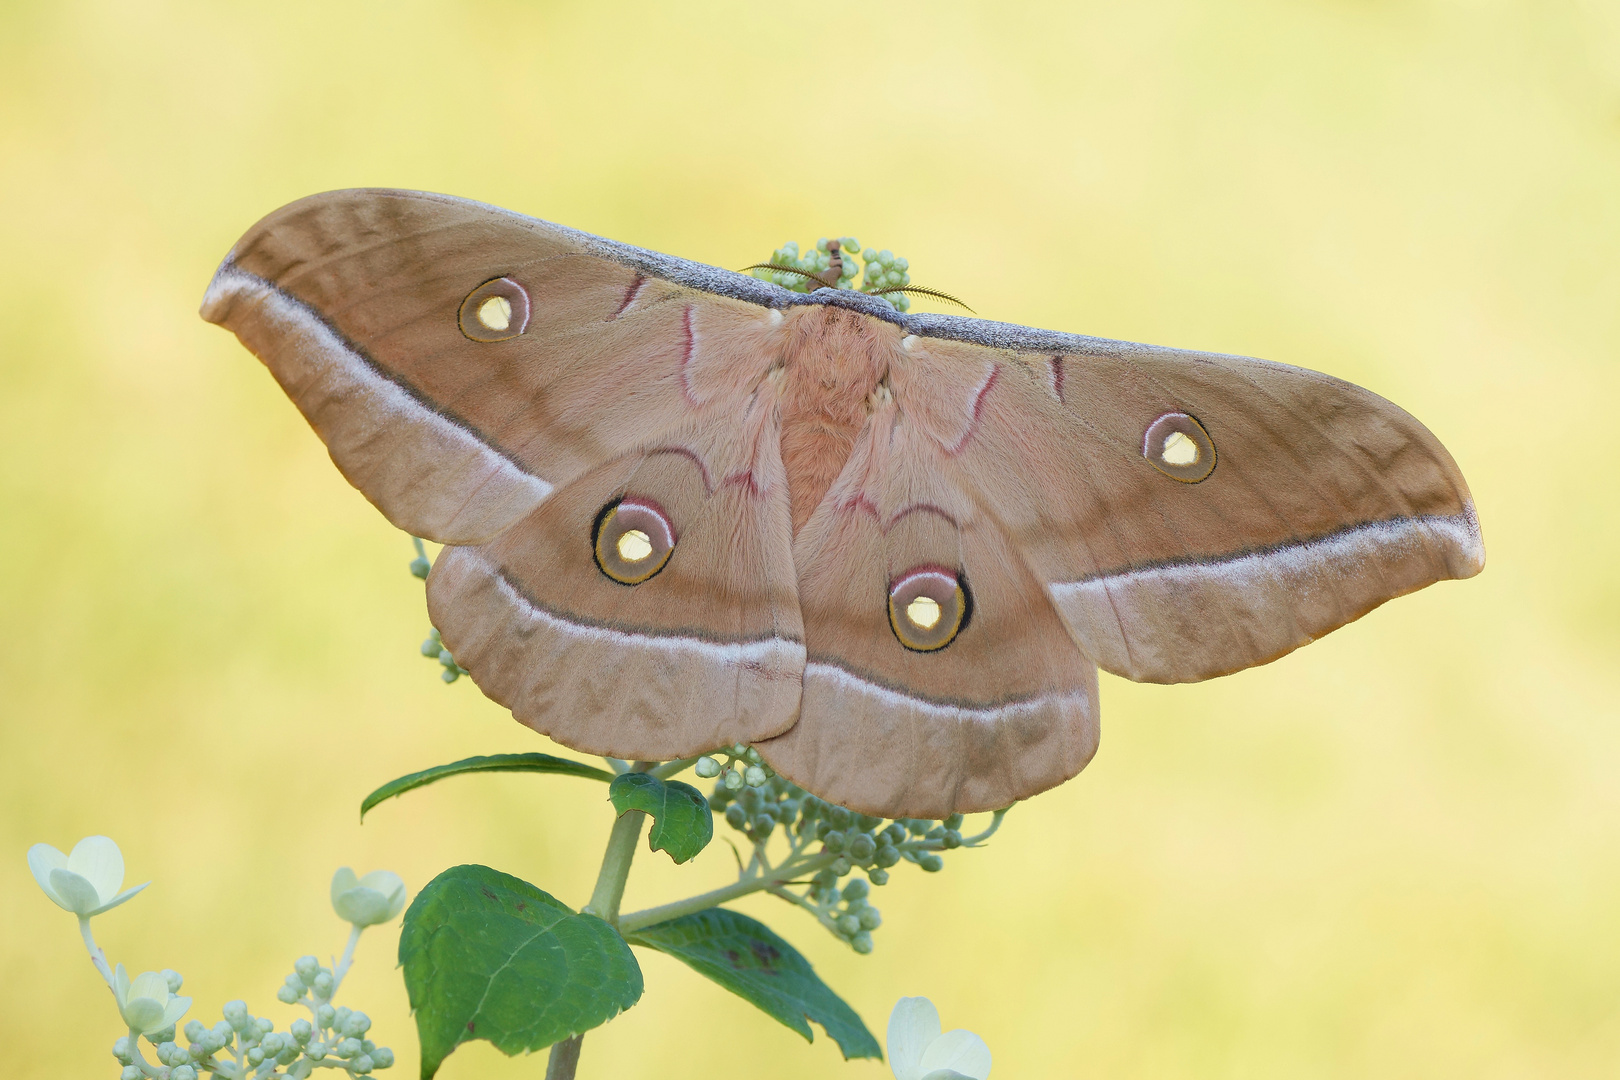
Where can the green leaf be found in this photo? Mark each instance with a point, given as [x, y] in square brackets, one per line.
[487, 956]
[682, 822]
[745, 957]
[542, 763]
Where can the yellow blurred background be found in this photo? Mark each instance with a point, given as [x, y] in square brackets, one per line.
[1395, 854]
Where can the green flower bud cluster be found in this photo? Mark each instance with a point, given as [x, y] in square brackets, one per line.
[883, 269]
[743, 768]
[242, 1046]
[834, 841]
[434, 649]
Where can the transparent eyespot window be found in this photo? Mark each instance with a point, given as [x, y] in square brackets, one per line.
[928, 606]
[1178, 446]
[633, 540]
[497, 310]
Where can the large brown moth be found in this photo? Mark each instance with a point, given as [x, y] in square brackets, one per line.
[684, 508]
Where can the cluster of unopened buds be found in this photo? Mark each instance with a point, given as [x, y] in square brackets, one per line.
[883, 269]
[432, 647]
[240, 1046]
[838, 841]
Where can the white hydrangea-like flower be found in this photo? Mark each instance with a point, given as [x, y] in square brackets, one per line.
[370, 900]
[919, 1048]
[85, 881]
[146, 1002]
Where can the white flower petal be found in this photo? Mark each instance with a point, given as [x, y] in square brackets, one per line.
[342, 882]
[948, 1074]
[144, 1014]
[73, 892]
[120, 898]
[149, 984]
[913, 1024]
[120, 985]
[391, 886]
[959, 1050]
[175, 1010]
[42, 859]
[362, 906]
[98, 860]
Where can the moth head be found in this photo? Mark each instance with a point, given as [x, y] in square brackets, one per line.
[633, 539]
[928, 607]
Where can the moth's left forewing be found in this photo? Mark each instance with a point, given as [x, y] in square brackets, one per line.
[1172, 560]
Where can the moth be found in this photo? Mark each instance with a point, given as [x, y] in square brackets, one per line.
[683, 508]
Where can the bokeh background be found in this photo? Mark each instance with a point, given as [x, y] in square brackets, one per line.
[1394, 854]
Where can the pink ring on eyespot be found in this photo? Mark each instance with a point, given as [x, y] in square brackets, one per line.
[632, 538]
[928, 606]
[497, 310]
[1178, 446]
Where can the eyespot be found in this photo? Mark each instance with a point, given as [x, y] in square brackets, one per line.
[495, 311]
[928, 606]
[1178, 446]
[633, 539]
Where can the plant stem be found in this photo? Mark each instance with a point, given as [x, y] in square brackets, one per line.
[97, 957]
[564, 1059]
[785, 871]
[604, 903]
[343, 965]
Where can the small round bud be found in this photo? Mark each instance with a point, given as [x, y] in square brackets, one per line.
[734, 780]
[171, 1054]
[842, 866]
[265, 1026]
[121, 1050]
[326, 1016]
[878, 877]
[315, 1051]
[886, 855]
[754, 776]
[763, 824]
[183, 1072]
[195, 1030]
[420, 567]
[131, 1072]
[936, 833]
[707, 767]
[236, 1015]
[382, 1057]
[861, 943]
[348, 1048]
[739, 749]
[871, 918]
[862, 847]
[954, 821]
[893, 834]
[341, 1017]
[917, 826]
[856, 890]
[172, 977]
[356, 1024]
[255, 1056]
[449, 675]
[363, 1064]
[953, 839]
[931, 862]
[158, 1038]
[840, 817]
[834, 841]
[431, 646]
[367, 1046]
[307, 967]
[849, 925]
[323, 984]
[736, 817]
[301, 1030]
[287, 995]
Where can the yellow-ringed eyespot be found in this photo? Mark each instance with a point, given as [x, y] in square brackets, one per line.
[1178, 446]
[633, 539]
[928, 607]
[495, 311]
